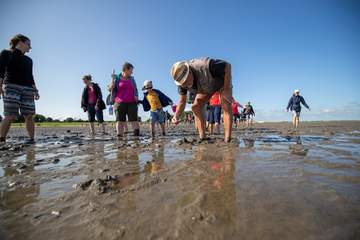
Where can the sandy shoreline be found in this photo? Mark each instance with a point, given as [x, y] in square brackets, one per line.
[269, 183]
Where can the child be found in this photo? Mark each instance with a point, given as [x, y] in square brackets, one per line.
[154, 100]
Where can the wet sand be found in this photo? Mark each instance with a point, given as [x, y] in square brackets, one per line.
[268, 183]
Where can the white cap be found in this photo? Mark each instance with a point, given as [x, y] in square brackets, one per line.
[296, 91]
[147, 84]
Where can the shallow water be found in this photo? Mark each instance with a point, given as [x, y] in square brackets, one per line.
[264, 186]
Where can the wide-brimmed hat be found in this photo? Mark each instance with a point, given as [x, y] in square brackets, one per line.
[147, 85]
[180, 72]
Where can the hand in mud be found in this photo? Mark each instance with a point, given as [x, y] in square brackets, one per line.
[175, 121]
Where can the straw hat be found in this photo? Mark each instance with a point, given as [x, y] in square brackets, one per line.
[147, 84]
[180, 72]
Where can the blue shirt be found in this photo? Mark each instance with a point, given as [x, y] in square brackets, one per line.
[294, 103]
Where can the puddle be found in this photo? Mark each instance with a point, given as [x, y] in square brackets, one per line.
[59, 186]
[305, 184]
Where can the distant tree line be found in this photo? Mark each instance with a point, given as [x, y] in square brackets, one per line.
[41, 118]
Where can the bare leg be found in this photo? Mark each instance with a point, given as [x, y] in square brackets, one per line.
[152, 129]
[217, 128]
[294, 121]
[5, 126]
[120, 128]
[30, 126]
[297, 121]
[211, 131]
[162, 125]
[136, 128]
[103, 128]
[197, 108]
[92, 128]
[228, 118]
[226, 99]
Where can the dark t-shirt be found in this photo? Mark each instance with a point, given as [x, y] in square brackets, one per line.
[16, 68]
[217, 70]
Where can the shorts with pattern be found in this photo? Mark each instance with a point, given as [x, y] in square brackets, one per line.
[18, 98]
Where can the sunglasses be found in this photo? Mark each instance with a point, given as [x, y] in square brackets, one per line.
[28, 43]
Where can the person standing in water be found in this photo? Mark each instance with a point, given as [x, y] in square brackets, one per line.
[17, 86]
[214, 114]
[295, 107]
[92, 103]
[125, 97]
[249, 114]
[154, 101]
[203, 77]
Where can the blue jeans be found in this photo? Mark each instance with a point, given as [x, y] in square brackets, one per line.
[157, 116]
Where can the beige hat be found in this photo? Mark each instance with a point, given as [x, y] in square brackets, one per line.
[147, 84]
[180, 72]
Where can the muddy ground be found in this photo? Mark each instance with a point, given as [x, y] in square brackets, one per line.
[269, 183]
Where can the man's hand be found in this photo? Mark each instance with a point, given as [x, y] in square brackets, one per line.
[175, 120]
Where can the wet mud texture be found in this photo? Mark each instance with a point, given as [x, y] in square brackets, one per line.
[270, 182]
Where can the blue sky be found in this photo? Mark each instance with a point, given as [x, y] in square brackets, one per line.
[273, 46]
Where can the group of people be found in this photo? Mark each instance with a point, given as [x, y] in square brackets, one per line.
[205, 80]
[124, 100]
[246, 116]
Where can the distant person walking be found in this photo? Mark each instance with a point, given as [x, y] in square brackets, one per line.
[249, 113]
[203, 77]
[214, 114]
[92, 103]
[236, 114]
[295, 106]
[125, 96]
[17, 86]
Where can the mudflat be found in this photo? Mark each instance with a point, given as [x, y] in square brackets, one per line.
[270, 182]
